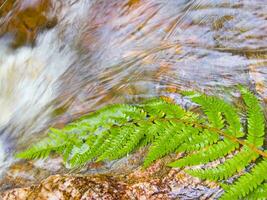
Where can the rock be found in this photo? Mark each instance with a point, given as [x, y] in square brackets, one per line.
[24, 19]
[155, 182]
[108, 187]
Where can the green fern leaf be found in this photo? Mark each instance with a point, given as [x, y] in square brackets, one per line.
[260, 193]
[131, 144]
[57, 141]
[117, 130]
[151, 130]
[198, 140]
[212, 109]
[255, 118]
[228, 168]
[158, 108]
[247, 182]
[173, 135]
[206, 155]
[78, 158]
[215, 109]
[115, 150]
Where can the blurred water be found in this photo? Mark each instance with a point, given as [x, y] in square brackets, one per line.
[82, 54]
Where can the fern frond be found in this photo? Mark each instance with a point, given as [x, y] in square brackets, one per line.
[198, 140]
[217, 109]
[73, 154]
[131, 144]
[260, 193]
[168, 140]
[108, 116]
[255, 118]
[116, 149]
[247, 182]
[151, 130]
[206, 155]
[228, 168]
[117, 130]
[56, 142]
[158, 108]
[78, 158]
[40, 150]
[212, 110]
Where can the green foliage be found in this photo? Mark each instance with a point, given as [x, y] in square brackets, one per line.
[117, 130]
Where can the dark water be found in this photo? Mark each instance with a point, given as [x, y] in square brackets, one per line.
[59, 59]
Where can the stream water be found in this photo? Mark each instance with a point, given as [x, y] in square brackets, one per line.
[62, 58]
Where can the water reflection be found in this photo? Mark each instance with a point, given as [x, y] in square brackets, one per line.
[60, 59]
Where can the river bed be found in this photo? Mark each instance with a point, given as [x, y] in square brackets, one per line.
[61, 59]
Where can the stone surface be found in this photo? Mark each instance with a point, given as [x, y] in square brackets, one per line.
[24, 19]
[155, 182]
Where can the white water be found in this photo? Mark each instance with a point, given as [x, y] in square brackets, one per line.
[30, 79]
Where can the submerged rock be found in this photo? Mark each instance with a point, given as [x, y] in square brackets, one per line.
[25, 19]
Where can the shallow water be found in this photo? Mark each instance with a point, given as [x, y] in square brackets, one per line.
[59, 59]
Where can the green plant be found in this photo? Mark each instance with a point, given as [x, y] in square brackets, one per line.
[117, 130]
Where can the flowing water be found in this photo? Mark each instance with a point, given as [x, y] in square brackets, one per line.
[62, 58]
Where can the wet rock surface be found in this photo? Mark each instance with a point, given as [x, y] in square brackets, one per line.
[101, 181]
[24, 19]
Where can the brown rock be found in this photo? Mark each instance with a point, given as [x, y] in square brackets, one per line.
[155, 182]
[25, 19]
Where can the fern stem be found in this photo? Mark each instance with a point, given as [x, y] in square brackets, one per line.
[212, 129]
[232, 138]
